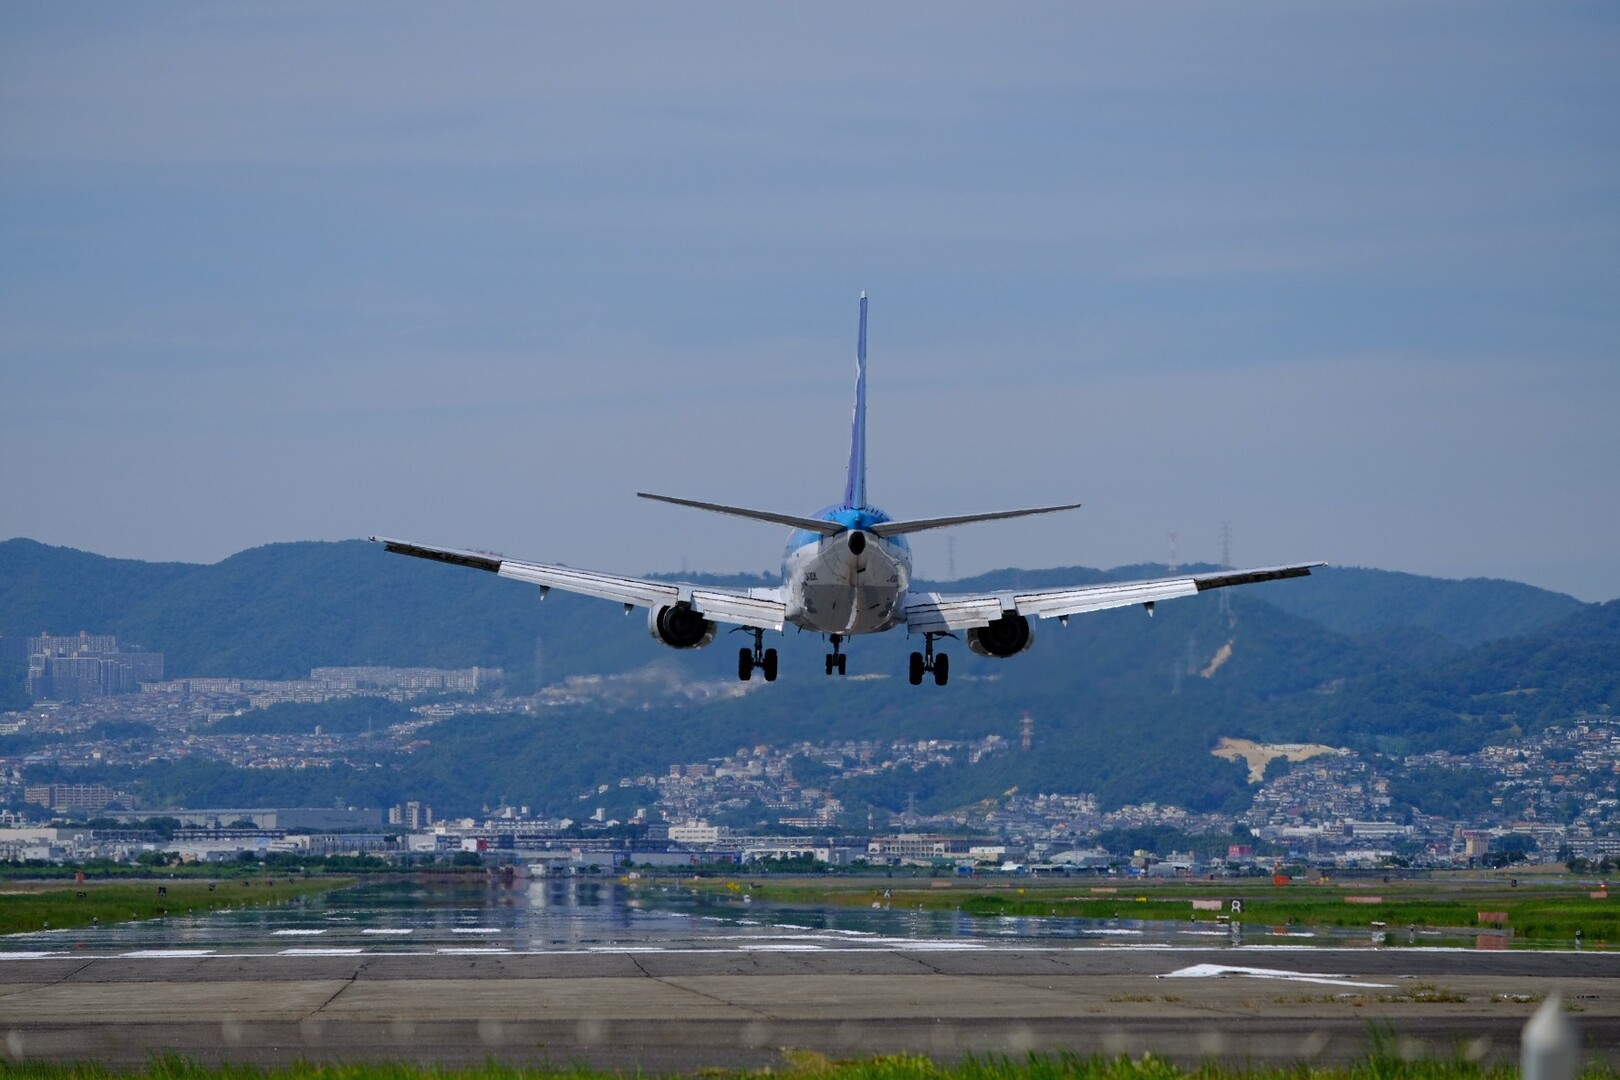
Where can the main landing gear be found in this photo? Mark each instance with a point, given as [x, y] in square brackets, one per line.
[758, 657]
[837, 661]
[926, 661]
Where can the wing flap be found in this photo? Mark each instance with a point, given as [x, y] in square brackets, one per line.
[589, 583]
[754, 607]
[740, 609]
[1222, 578]
[935, 613]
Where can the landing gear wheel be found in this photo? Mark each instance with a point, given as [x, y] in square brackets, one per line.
[843, 664]
[836, 659]
[924, 662]
[770, 665]
[745, 664]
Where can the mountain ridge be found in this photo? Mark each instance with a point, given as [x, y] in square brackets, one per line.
[1102, 689]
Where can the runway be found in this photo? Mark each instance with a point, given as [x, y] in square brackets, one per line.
[668, 1010]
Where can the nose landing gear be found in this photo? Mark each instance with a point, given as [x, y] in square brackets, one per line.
[757, 658]
[836, 661]
[926, 661]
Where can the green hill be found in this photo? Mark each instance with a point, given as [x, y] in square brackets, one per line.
[1124, 705]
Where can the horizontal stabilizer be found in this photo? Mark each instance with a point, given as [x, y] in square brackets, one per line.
[900, 528]
[792, 521]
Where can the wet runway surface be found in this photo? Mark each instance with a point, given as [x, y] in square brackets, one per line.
[568, 973]
[571, 914]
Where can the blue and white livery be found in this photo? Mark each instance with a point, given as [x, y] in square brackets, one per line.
[847, 571]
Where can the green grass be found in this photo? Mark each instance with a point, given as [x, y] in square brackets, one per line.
[1538, 913]
[807, 1065]
[56, 907]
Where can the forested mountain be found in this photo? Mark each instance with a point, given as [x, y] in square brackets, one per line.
[1124, 705]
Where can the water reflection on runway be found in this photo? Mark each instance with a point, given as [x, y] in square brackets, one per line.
[568, 914]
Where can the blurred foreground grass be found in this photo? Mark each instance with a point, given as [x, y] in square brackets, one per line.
[808, 1065]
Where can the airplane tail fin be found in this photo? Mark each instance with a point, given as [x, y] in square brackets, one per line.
[855, 485]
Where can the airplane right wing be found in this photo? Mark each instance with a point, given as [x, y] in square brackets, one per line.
[762, 608]
[936, 613]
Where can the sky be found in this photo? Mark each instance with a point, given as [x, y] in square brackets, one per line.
[1344, 277]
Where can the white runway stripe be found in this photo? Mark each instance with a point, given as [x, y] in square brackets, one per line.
[1220, 971]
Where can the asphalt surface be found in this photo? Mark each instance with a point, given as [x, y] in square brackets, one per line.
[664, 1011]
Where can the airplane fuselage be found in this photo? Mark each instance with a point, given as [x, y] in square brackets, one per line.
[852, 582]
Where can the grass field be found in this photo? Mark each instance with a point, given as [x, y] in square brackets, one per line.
[1541, 913]
[811, 1066]
[55, 906]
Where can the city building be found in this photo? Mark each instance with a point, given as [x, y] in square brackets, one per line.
[81, 667]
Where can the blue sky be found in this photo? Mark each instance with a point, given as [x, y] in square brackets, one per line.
[1342, 275]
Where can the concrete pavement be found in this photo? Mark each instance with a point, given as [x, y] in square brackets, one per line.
[681, 1010]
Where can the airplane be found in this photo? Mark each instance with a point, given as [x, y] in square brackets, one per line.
[847, 571]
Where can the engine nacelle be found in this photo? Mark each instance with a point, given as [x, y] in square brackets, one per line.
[679, 627]
[1007, 636]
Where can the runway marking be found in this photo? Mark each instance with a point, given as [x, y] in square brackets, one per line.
[295, 933]
[27, 955]
[392, 932]
[1217, 971]
[329, 951]
[781, 948]
[165, 954]
[475, 930]
[468, 951]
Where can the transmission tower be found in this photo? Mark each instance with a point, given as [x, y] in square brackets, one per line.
[1226, 564]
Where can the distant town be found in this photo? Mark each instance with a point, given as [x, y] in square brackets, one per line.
[1553, 798]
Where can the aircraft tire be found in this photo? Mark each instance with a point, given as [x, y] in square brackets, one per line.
[745, 664]
[916, 669]
[770, 665]
[942, 669]
[843, 664]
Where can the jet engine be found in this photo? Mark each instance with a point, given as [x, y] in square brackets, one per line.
[1007, 636]
[679, 627]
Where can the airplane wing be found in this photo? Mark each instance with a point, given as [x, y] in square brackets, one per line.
[936, 613]
[762, 608]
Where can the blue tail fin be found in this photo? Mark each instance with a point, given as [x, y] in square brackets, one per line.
[855, 486]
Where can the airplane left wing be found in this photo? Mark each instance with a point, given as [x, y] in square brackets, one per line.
[936, 613]
[762, 608]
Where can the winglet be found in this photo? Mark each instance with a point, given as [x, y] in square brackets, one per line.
[855, 485]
